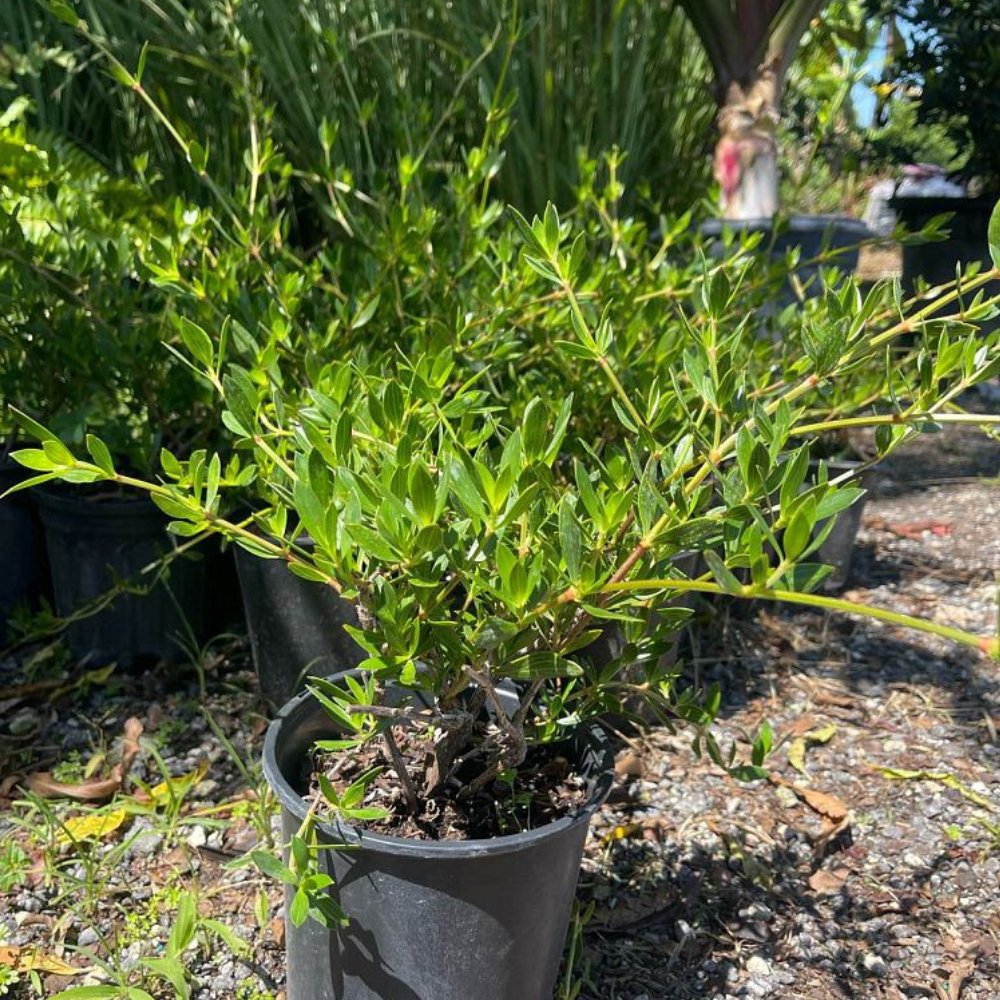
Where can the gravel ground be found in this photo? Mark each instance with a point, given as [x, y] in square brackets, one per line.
[867, 866]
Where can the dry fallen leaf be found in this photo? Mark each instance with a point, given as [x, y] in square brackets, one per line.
[35, 960]
[92, 826]
[942, 778]
[823, 881]
[958, 973]
[813, 737]
[97, 789]
[821, 802]
[629, 764]
[44, 784]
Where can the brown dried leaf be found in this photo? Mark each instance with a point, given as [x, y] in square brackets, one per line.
[802, 725]
[823, 881]
[629, 764]
[44, 784]
[828, 834]
[130, 744]
[821, 802]
[98, 789]
[35, 960]
[958, 973]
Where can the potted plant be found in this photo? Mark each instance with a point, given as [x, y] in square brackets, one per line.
[435, 801]
[83, 336]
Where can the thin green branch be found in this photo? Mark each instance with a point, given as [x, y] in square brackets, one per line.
[986, 644]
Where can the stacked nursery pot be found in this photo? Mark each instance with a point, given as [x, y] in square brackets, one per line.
[24, 582]
[296, 626]
[100, 543]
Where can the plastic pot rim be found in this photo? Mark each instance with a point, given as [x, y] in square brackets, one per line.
[353, 837]
[786, 224]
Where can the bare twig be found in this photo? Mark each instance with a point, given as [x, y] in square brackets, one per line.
[399, 765]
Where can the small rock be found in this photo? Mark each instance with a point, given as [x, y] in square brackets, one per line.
[88, 937]
[148, 842]
[205, 789]
[23, 721]
[759, 968]
[26, 901]
[197, 837]
[874, 965]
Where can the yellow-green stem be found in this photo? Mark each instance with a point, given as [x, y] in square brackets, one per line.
[987, 644]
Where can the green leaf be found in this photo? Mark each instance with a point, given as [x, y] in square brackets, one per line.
[365, 313]
[537, 665]
[994, 235]
[108, 992]
[533, 427]
[539, 266]
[197, 341]
[723, 575]
[185, 923]
[531, 241]
[143, 52]
[368, 813]
[227, 935]
[551, 229]
[58, 452]
[33, 427]
[310, 510]
[272, 866]
[173, 971]
[799, 530]
[64, 12]
[33, 458]
[570, 537]
[299, 910]
[422, 493]
[197, 156]
[690, 533]
[329, 792]
[170, 465]
[100, 454]
[241, 398]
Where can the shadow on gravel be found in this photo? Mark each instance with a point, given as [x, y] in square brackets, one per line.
[753, 657]
[709, 908]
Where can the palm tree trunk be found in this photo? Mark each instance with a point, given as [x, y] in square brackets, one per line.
[746, 155]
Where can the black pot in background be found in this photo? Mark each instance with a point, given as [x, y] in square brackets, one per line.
[296, 626]
[968, 240]
[24, 578]
[813, 234]
[92, 542]
[432, 920]
[223, 604]
[838, 549]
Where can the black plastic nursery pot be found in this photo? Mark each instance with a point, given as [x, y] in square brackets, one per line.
[24, 581]
[968, 241]
[812, 234]
[94, 542]
[296, 626]
[838, 548]
[429, 920]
